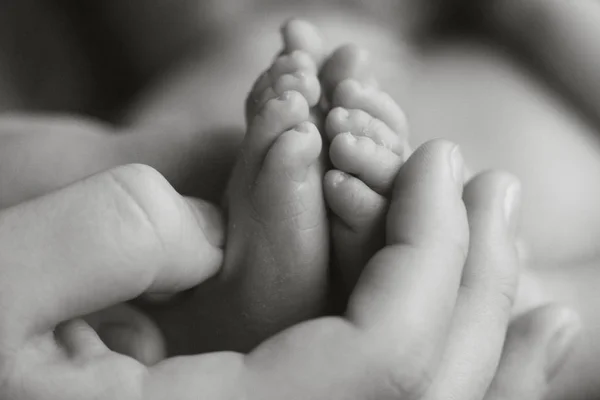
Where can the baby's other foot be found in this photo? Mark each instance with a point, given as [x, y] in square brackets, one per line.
[367, 133]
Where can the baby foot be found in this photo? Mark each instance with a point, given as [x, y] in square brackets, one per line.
[276, 262]
[277, 246]
[277, 242]
[367, 133]
[276, 257]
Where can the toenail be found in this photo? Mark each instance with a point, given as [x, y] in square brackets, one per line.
[343, 113]
[376, 141]
[512, 200]
[285, 96]
[457, 165]
[350, 137]
[338, 178]
[299, 74]
[304, 127]
[368, 139]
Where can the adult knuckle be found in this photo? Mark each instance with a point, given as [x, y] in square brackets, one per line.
[506, 291]
[495, 275]
[145, 199]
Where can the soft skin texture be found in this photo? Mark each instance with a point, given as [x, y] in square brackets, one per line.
[368, 142]
[44, 352]
[517, 113]
[276, 256]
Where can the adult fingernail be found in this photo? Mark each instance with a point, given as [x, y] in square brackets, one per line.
[561, 343]
[458, 166]
[213, 225]
[512, 202]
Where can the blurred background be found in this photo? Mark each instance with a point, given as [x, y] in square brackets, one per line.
[515, 82]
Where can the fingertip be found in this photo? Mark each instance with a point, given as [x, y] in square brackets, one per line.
[127, 330]
[426, 198]
[210, 218]
[440, 156]
[428, 240]
[495, 196]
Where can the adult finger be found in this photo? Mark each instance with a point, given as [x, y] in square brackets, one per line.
[537, 345]
[487, 290]
[128, 331]
[408, 290]
[99, 242]
[41, 154]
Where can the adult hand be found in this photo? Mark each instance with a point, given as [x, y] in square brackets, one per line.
[414, 329]
[40, 154]
[103, 241]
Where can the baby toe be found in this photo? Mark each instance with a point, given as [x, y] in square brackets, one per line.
[373, 164]
[347, 62]
[302, 35]
[361, 123]
[276, 116]
[351, 94]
